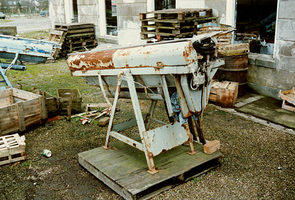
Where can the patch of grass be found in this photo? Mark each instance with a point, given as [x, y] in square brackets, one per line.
[6, 20]
[196, 179]
[35, 34]
[50, 77]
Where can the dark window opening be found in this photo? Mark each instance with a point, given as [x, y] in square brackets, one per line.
[111, 17]
[256, 21]
[164, 4]
[75, 9]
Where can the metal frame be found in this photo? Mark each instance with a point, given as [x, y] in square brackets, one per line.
[155, 141]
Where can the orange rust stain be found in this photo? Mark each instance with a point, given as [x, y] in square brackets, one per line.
[187, 52]
[93, 60]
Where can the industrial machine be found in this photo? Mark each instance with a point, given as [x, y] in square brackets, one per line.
[178, 72]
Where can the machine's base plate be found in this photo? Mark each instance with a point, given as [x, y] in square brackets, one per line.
[124, 168]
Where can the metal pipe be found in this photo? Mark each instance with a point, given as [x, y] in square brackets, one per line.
[16, 67]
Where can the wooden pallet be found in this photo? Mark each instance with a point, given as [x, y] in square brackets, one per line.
[288, 98]
[12, 149]
[181, 14]
[123, 168]
[59, 37]
[72, 26]
[79, 37]
[173, 23]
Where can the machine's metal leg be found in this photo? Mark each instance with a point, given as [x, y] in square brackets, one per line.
[150, 114]
[193, 128]
[190, 139]
[113, 110]
[140, 124]
[199, 124]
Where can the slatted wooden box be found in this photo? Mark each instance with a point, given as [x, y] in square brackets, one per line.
[12, 149]
[65, 96]
[20, 109]
[224, 93]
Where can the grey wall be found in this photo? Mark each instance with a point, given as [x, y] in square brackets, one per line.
[128, 21]
[268, 75]
[57, 12]
[88, 12]
[218, 6]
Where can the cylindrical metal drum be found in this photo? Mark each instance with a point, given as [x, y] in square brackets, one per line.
[235, 69]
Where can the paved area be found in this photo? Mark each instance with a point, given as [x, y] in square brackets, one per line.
[25, 24]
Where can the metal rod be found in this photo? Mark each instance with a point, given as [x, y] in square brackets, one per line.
[140, 124]
[113, 110]
[12, 63]
[150, 115]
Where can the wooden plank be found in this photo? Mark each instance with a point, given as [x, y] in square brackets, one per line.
[21, 117]
[24, 94]
[43, 110]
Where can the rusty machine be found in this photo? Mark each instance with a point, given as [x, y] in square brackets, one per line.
[178, 72]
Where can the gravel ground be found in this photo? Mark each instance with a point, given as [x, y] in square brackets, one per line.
[258, 162]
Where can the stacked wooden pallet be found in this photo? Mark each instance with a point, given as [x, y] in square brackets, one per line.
[78, 37]
[173, 23]
[12, 149]
[59, 37]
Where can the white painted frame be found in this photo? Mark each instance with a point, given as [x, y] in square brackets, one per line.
[69, 11]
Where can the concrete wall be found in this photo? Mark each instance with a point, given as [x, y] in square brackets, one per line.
[190, 4]
[267, 75]
[128, 21]
[57, 12]
[88, 13]
[218, 6]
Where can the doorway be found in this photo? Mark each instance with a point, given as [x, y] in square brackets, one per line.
[257, 19]
[164, 4]
[75, 11]
[111, 17]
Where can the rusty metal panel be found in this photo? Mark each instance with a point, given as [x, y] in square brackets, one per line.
[156, 56]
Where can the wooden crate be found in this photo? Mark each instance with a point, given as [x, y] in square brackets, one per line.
[234, 49]
[12, 149]
[65, 96]
[20, 109]
[224, 93]
[52, 104]
[288, 98]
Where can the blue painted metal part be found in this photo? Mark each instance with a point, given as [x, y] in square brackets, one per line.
[5, 79]
[29, 50]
